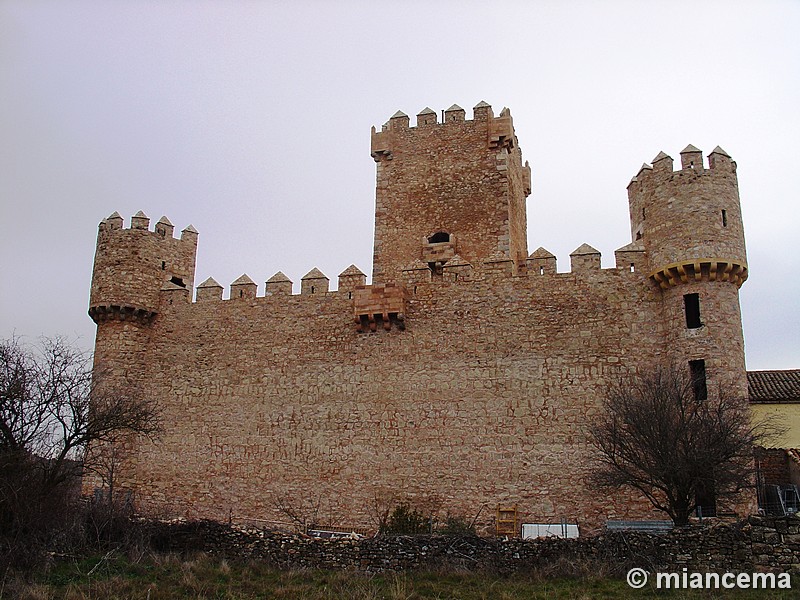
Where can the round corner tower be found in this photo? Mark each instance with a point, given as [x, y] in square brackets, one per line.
[130, 268]
[689, 222]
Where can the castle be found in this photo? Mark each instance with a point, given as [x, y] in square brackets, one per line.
[462, 379]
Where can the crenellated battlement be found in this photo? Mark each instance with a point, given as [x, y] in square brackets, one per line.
[478, 363]
[132, 265]
[584, 260]
[463, 179]
[141, 222]
[689, 219]
[662, 168]
[499, 130]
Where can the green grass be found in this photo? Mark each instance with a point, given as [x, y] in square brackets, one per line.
[164, 577]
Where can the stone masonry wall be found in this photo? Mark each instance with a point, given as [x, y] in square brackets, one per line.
[756, 544]
[483, 391]
[277, 404]
[455, 177]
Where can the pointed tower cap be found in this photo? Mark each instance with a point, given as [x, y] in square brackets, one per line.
[661, 156]
[690, 148]
[351, 270]
[314, 273]
[454, 107]
[541, 253]
[398, 115]
[165, 221]
[244, 280]
[427, 111]
[210, 283]
[456, 261]
[632, 247]
[482, 104]
[719, 150]
[114, 215]
[278, 277]
[141, 215]
[584, 249]
[190, 229]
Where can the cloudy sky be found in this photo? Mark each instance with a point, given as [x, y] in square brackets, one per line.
[251, 121]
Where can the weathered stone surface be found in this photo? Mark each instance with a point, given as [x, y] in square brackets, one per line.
[721, 547]
[463, 387]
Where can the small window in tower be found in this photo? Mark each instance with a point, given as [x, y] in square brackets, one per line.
[439, 237]
[642, 212]
[638, 235]
[312, 289]
[724, 218]
[633, 268]
[697, 368]
[691, 306]
[163, 265]
[541, 270]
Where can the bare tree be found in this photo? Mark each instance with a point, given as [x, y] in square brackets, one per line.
[658, 436]
[302, 510]
[51, 409]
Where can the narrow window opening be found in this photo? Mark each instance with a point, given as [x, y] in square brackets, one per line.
[163, 265]
[541, 270]
[691, 164]
[642, 212]
[439, 237]
[241, 293]
[638, 235]
[349, 295]
[415, 290]
[691, 307]
[178, 281]
[706, 499]
[312, 289]
[698, 370]
[724, 218]
[633, 268]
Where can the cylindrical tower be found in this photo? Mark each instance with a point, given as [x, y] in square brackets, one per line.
[690, 224]
[131, 266]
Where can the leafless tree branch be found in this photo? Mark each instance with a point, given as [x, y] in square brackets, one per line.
[657, 438]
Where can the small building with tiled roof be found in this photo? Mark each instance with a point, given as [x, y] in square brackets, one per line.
[777, 394]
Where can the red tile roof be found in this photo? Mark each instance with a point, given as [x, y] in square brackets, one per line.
[774, 386]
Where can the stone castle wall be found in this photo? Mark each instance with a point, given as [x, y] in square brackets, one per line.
[481, 385]
[485, 398]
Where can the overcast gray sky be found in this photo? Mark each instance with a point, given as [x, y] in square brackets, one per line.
[251, 121]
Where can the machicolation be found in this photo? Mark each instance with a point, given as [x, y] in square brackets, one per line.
[463, 379]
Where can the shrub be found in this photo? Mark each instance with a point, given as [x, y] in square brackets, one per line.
[404, 520]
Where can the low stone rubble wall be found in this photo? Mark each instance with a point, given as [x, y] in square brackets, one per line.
[755, 544]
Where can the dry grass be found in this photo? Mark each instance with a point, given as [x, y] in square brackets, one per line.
[169, 576]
